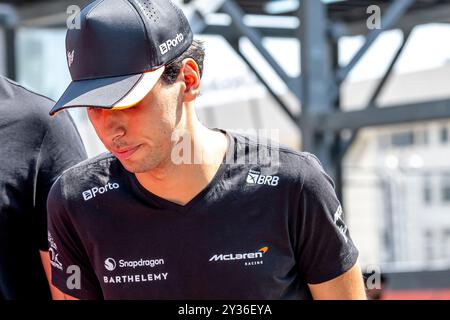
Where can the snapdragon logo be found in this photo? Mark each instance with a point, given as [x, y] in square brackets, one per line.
[171, 43]
[92, 193]
[111, 265]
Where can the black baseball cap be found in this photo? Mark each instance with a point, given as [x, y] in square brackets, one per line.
[120, 51]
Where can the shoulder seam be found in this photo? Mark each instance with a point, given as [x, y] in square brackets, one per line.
[35, 182]
[82, 165]
[279, 148]
[28, 90]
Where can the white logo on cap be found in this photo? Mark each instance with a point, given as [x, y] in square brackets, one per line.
[70, 57]
[171, 43]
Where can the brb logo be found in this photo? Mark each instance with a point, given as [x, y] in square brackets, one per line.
[171, 43]
[255, 177]
[92, 193]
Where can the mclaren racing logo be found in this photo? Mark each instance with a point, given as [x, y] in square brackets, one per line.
[249, 258]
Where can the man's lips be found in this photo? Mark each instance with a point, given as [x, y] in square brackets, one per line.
[125, 153]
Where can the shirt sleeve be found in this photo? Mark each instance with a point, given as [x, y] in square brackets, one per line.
[72, 272]
[325, 249]
[61, 148]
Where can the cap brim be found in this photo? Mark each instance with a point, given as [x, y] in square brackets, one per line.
[108, 93]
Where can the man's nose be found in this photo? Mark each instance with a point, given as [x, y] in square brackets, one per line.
[114, 123]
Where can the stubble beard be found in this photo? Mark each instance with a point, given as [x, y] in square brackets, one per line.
[152, 160]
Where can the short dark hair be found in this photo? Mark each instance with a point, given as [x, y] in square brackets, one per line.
[196, 51]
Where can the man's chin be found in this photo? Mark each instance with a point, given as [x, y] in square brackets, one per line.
[135, 167]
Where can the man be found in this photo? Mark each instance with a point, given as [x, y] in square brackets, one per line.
[35, 149]
[138, 223]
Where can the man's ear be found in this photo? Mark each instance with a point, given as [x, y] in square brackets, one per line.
[191, 78]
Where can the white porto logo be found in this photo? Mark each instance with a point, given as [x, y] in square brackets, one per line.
[171, 43]
[70, 57]
[110, 264]
[255, 177]
[92, 193]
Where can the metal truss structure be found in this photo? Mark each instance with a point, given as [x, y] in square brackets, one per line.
[318, 26]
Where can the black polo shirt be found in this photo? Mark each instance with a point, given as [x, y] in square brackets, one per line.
[34, 150]
[267, 224]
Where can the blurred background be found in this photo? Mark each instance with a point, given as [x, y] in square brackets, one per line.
[365, 85]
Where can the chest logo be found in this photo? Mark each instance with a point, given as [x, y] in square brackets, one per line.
[110, 264]
[255, 177]
[250, 258]
[92, 193]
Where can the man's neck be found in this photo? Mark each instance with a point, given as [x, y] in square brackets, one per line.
[180, 183]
